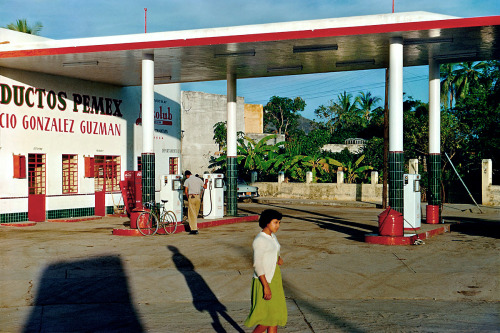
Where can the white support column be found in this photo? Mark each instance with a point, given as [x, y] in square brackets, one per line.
[148, 103]
[232, 163]
[434, 108]
[396, 95]
[231, 115]
[396, 154]
[434, 169]
[148, 167]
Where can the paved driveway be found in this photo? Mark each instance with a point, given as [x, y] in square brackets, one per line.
[74, 277]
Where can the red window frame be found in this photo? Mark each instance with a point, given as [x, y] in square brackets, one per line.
[107, 173]
[173, 165]
[69, 173]
[36, 173]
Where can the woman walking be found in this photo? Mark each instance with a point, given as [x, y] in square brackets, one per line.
[268, 298]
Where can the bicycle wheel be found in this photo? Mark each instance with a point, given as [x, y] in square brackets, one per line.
[169, 222]
[147, 223]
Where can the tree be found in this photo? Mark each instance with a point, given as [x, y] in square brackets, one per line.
[467, 74]
[22, 26]
[447, 84]
[282, 113]
[254, 156]
[366, 104]
[354, 170]
[220, 134]
[342, 114]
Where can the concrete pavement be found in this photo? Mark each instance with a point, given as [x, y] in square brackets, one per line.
[76, 277]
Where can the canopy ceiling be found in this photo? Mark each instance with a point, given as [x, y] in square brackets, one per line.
[303, 47]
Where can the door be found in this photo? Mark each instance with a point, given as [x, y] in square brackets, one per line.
[36, 187]
[100, 185]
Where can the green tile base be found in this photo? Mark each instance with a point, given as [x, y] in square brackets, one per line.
[54, 214]
[434, 193]
[396, 192]
[232, 189]
[148, 177]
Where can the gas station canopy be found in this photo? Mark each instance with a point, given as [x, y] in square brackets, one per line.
[304, 47]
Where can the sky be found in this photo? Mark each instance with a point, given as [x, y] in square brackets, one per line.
[63, 19]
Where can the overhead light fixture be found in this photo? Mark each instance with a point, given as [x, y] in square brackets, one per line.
[455, 55]
[315, 48]
[80, 63]
[355, 63]
[284, 69]
[235, 54]
[163, 77]
[419, 41]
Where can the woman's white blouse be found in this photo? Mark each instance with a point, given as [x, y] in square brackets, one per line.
[265, 255]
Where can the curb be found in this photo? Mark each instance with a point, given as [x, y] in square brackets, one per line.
[405, 240]
[182, 228]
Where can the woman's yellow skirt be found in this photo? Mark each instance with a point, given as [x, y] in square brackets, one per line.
[272, 312]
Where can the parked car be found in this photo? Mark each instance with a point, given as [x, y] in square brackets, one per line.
[246, 192]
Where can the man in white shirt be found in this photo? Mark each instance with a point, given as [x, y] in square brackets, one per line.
[193, 188]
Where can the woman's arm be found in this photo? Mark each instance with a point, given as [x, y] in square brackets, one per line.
[267, 289]
[280, 261]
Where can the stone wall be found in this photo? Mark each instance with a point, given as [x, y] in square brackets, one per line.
[322, 191]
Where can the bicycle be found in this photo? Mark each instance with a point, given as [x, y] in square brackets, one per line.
[148, 222]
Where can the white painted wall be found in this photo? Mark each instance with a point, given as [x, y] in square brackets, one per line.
[126, 140]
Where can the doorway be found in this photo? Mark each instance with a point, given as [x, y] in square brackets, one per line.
[36, 187]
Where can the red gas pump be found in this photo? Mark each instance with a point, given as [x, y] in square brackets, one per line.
[131, 188]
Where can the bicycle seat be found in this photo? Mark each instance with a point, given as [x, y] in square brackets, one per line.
[164, 201]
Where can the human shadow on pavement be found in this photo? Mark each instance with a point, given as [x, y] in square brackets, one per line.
[203, 297]
[88, 295]
[356, 231]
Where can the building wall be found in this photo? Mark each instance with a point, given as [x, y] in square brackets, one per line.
[337, 148]
[41, 114]
[254, 118]
[200, 112]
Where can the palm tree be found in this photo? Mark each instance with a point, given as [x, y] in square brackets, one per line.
[342, 113]
[22, 26]
[447, 84]
[468, 73]
[366, 102]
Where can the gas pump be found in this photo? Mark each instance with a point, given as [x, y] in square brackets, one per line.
[171, 190]
[213, 197]
[412, 198]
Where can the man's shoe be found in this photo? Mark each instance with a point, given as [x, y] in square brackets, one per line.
[193, 232]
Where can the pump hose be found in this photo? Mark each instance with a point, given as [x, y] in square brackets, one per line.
[211, 206]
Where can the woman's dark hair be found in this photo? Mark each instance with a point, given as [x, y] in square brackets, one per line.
[267, 216]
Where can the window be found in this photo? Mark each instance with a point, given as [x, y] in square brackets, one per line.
[36, 173]
[107, 173]
[173, 166]
[19, 166]
[89, 166]
[69, 173]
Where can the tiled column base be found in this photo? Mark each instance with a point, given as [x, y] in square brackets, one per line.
[232, 183]
[396, 194]
[148, 177]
